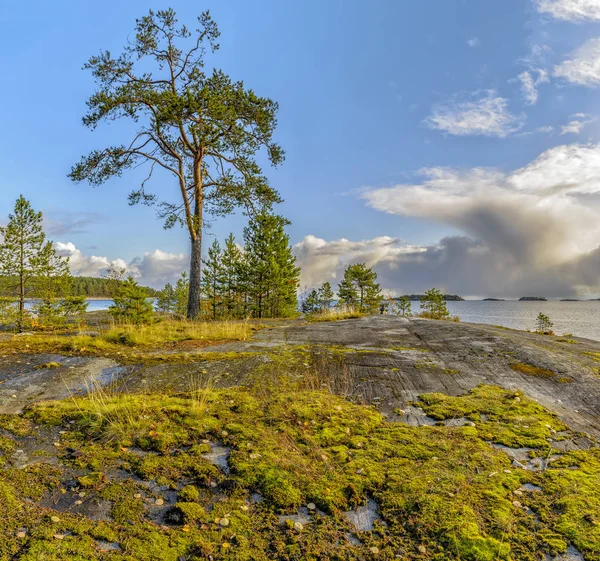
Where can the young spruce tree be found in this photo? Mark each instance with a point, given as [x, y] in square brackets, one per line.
[213, 280]
[271, 272]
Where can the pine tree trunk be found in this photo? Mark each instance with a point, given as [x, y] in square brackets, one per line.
[193, 311]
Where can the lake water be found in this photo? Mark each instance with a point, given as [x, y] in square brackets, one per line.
[579, 318]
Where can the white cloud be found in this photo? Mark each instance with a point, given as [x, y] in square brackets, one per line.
[480, 113]
[578, 122]
[529, 84]
[583, 66]
[473, 42]
[153, 268]
[535, 226]
[570, 10]
[322, 261]
[545, 130]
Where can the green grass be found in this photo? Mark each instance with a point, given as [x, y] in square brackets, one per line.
[131, 343]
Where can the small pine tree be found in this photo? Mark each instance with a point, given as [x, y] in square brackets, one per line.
[543, 324]
[310, 303]
[52, 280]
[433, 305]
[325, 296]
[213, 280]
[165, 301]
[404, 306]
[131, 303]
[73, 308]
[359, 288]
[181, 295]
[233, 286]
[22, 242]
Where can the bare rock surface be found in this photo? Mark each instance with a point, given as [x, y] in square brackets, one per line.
[387, 361]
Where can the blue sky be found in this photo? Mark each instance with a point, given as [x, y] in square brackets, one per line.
[369, 94]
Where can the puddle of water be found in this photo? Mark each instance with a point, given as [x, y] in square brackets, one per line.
[302, 516]
[572, 554]
[219, 456]
[529, 488]
[521, 458]
[364, 517]
[109, 375]
[416, 417]
[107, 546]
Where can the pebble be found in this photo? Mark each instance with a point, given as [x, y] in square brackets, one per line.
[82, 494]
[517, 399]
[21, 534]
[374, 550]
[159, 502]
[298, 526]
[422, 549]
[224, 522]
[137, 496]
[55, 519]
[244, 508]
[517, 504]
[517, 492]
[359, 471]
[311, 506]
[507, 471]
[59, 536]
[78, 503]
[213, 484]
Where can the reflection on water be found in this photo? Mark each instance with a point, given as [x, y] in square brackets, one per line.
[578, 318]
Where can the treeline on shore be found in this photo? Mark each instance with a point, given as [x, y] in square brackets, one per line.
[89, 287]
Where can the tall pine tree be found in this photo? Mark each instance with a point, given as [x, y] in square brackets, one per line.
[233, 276]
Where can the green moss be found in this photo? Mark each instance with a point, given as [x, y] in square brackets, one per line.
[532, 370]
[442, 488]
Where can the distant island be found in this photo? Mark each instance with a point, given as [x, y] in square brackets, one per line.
[447, 297]
[493, 300]
[532, 299]
[569, 300]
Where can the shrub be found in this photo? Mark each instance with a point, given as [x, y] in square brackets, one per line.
[433, 305]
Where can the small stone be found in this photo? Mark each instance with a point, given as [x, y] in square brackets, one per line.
[517, 504]
[59, 536]
[507, 471]
[254, 456]
[57, 444]
[21, 534]
[213, 484]
[374, 550]
[55, 519]
[518, 492]
[422, 549]
[137, 496]
[224, 522]
[470, 423]
[298, 526]
[311, 506]
[224, 433]
[77, 503]
[82, 494]
[517, 399]
[359, 471]
[14, 396]
[245, 508]
[159, 502]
